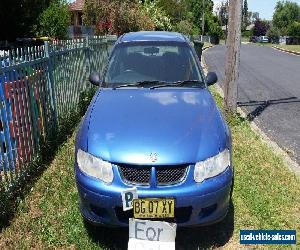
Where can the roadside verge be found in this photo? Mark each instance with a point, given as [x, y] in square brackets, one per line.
[207, 46]
[289, 163]
[286, 50]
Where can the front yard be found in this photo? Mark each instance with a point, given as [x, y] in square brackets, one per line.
[266, 196]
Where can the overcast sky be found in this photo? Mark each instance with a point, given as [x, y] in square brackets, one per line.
[265, 8]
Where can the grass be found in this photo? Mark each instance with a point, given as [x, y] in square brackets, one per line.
[206, 44]
[266, 196]
[287, 47]
[245, 39]
[290, 47]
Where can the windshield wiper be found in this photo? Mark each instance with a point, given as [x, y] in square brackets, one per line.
[138, 84]
[188, 83]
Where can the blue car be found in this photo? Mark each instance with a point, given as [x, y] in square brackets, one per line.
[153, 128]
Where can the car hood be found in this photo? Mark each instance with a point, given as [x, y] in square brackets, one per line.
[176, 126]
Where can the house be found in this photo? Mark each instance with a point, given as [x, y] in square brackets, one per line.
[77, 28]
[76, 9]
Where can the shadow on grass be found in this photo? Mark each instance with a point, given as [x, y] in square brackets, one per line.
[56, 136]
[21, 186]
[108, 238]
[213, 236]
[189, 238]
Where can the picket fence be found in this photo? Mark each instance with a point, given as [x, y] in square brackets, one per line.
[39, 87]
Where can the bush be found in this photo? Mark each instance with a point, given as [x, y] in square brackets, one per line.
[116, 16]
[196, 30]
[214, 28]
[273, 33]
[54, 21]
[157, 15]
[129, 17]
[246, 33]
[85, 98]
[184, 27]
[260, 28]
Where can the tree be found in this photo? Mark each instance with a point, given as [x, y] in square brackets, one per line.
[196, 7]
[223, 14]
[157, 15]
[184, 27]
[286, 13]
[260, 28]
[54, 21]
[116, 16]
[18, 17]
[176, 10]
[214, 28]
[273, 33]
[99, 14]
[294, 29]
[245, 17]
[129, 17]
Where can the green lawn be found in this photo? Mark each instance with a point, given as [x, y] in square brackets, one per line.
[245, 39]
[287, 47]
[266, 196]
[290, 47]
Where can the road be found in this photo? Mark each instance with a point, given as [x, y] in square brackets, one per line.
[269, 91]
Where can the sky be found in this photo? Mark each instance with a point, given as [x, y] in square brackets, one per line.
[265, 8]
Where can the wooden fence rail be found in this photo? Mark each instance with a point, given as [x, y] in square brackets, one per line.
[39, 87]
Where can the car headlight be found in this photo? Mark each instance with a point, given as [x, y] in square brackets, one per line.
[94, 166]
[212, 166]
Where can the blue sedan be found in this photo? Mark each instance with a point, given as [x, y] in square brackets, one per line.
[153, 127]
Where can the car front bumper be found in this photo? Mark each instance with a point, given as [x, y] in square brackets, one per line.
[195, 204]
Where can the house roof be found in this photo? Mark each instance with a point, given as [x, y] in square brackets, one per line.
[77, 5]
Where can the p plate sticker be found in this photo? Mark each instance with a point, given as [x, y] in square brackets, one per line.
[128, 196]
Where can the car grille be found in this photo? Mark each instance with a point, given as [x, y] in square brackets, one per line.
[170, 175]
[165, 175]
[136, 175]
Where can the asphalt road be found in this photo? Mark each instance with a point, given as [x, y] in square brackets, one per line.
[269, 91]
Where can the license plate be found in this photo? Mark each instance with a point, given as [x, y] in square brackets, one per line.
[153, 208]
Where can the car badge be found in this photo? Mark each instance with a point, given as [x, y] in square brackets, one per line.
[153, 157]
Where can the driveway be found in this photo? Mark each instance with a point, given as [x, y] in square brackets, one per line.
[269, 91]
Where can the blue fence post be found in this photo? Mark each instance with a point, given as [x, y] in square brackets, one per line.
[88, 57]
[51, 84]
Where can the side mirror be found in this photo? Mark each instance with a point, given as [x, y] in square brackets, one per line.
[211, 78]
[95, 79]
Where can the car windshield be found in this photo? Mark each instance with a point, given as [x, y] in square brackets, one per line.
[141, 64]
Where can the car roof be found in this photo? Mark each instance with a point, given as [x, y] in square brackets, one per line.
[152, 36]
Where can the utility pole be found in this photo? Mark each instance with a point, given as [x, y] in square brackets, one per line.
[233, 55]
[203, 20]
[226, 19]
